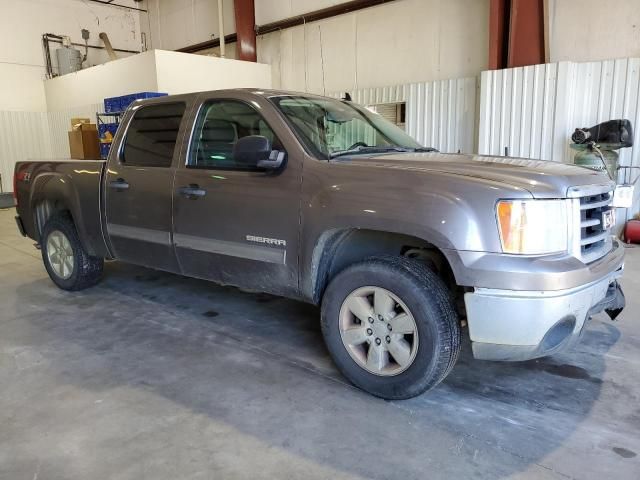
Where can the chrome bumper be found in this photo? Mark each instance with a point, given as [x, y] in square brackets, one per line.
[519, 325]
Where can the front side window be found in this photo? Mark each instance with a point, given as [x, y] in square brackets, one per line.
[331, 127]
[152, 134]
[219, 125]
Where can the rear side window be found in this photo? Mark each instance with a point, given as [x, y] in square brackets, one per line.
[152, 134]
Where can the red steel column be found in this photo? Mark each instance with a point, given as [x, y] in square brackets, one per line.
[516, 33]
[245, 29]
[526, 33]
[498, 33]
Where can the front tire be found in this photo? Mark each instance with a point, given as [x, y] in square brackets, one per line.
[391, 327]
[68, 264]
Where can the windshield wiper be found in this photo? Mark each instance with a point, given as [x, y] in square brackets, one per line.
[425, 149]
[361, 149]
[382, 149]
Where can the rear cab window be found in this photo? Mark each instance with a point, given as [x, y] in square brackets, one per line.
[152, 135]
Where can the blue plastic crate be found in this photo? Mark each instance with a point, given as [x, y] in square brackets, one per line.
[121, 103]
[104, 150]
[112, 104]
[127, 100]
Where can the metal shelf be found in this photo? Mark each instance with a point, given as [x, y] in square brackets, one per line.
[114, 117]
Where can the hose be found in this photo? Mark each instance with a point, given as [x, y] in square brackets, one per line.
[594, 147]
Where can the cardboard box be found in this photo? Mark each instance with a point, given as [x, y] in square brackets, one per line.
[84, 143]
[77, 122]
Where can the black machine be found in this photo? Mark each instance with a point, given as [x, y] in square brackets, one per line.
[615, 133]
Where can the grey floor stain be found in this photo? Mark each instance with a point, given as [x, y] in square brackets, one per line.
[624, 453]
[561, 370]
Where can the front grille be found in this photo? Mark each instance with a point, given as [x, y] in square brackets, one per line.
[595, 240]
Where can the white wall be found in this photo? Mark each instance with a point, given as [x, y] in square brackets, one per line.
[136, 73]
[22, 23]
[152, 71]
[399, 42]
[173, 24]
[396, 43]
[184, 73]
[268, 11]
[21, 88]
[590, 30]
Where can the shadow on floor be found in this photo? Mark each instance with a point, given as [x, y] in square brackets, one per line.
[257, 363]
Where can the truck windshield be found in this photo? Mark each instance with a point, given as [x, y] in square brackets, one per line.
[330, 128]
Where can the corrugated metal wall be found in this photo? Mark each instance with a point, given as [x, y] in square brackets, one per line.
[380, 95]
[517, 111]
[532, 111]
[440, 114]
[36, 135]
[23, 135]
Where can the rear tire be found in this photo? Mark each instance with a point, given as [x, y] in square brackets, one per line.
[68, 264]
[414, 305]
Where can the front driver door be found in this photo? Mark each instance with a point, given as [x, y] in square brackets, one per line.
[139, 186]
[233, 224]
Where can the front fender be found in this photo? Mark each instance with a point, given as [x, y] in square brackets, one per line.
[450, 212]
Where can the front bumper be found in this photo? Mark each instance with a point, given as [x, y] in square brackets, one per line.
[516, 325]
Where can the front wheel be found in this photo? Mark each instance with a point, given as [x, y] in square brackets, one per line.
[390, 326]
[67, 262]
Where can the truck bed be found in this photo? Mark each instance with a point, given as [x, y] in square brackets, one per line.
[44, 186]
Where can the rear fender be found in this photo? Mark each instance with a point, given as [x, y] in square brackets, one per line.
[52, 192]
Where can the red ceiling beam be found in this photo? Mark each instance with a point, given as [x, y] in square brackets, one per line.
[314, 16]
[245, 30]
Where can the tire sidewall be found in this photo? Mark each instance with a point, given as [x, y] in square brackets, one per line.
[66, 228]
[424, 309]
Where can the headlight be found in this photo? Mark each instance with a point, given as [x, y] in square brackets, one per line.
[532, 227]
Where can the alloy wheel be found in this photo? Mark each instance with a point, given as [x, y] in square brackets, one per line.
[378, 331]
[60, 254]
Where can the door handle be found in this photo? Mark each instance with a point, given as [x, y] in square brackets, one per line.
[192, 191]
[119, 184]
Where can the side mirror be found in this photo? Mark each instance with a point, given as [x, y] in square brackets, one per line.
[255, 151]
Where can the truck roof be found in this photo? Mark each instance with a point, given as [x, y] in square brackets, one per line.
[254, 91]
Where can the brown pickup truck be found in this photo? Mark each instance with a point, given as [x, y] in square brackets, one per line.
[321, 200]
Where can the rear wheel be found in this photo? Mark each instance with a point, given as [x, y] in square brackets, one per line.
[390, 326]
[65, 259]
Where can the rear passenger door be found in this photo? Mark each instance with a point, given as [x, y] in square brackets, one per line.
[241, 225]
[139, 186]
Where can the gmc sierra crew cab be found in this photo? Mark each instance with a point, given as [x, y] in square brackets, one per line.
[321, 200]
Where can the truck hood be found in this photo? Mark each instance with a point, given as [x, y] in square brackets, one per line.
[543, 179]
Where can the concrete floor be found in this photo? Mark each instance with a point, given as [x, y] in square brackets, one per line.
[155, 376]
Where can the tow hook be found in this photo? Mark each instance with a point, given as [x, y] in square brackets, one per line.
[615, 301]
